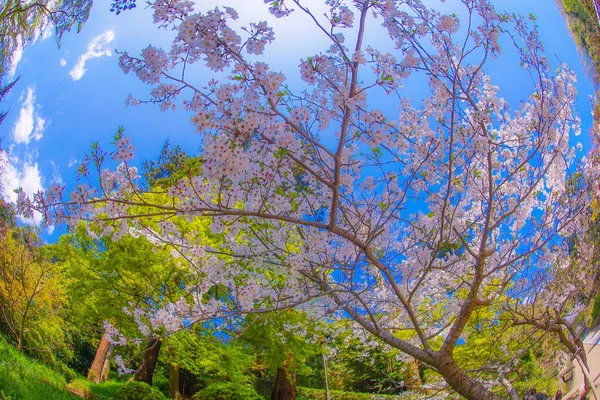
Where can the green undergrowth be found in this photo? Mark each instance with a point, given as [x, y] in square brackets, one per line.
[24, 379]
[319, 394]
[103, 391]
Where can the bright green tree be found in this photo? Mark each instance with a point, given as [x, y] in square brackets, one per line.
[32, 295]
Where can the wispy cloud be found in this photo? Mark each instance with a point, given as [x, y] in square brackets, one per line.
[56, 177]
[16, 57]
[63, 62]
[97, 47]
[30, 124]
[20, 174]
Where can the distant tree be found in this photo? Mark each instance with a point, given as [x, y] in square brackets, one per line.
[171, 163]
[119, 6]
[583, 23]
[104, 277]
[4, 91]
[32, 295]
[283, 342]
[24, 20]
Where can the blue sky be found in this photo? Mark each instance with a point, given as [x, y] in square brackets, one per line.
[71, 96]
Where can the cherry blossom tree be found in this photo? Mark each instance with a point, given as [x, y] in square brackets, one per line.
[405, 223]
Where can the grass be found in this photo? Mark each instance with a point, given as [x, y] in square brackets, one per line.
[320, 394]
[24, 379]
[102, 391]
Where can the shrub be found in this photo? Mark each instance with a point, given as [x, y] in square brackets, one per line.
[228, 391]
[319, 394]
[161, 383]
[139, 391]
[106, 390]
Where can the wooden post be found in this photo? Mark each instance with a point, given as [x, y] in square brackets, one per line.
[174, 381]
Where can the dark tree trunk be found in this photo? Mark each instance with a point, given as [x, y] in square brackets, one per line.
[461, 382]
[145, 371]
[285, 383]
[95, 372]
[174, 392]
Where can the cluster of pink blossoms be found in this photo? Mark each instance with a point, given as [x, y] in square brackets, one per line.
[125, 149]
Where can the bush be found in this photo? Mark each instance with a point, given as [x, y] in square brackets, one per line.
[139, 391]
[228, 391]
[106, 390]
[161, 383]
[319, 394]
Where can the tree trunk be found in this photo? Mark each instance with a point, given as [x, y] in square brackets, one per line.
[174, 392]
[327, 396]
[461, 382]
[508, 386]
[285, 383]
[106, 366]
[145, 371]
[95, 372]
[411, 376]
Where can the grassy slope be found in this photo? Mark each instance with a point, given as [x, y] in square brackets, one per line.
[24, 379]
[103, 391]
[583, 24]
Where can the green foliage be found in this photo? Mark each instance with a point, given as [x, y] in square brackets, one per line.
[537, 374]
[228, 391]
[5, 90]
[23, 21]
[319, 394]
[102, 391]
[161, 382]
[491, 339]
[583, 23]
[24, 379]
[208, 358]
[138, 391]
[104, 276]
[371, 369]
[32, 296]
[171, 162]
[595, 311]
[274, 340]
[106, 390]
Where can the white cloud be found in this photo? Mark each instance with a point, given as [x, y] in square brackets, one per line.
[73, 161]
[19, 174]
[30, 124]
[16, 57]
[47, 31]
[97, 47]
[63, 62]
[56, 177]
